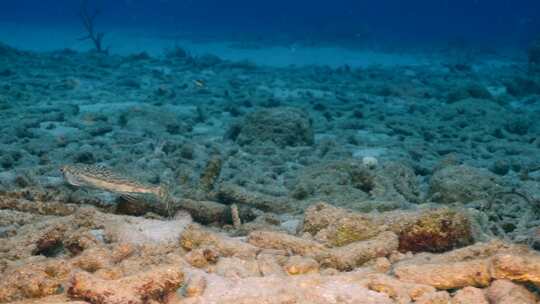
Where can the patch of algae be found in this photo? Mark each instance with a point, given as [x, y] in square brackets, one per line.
[437, 231]
[352, 231]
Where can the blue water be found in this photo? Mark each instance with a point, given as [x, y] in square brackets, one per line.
[495, 22]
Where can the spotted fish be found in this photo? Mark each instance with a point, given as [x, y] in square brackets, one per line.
[102, 178]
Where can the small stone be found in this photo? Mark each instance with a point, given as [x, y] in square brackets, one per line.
[195, 286]
[470, 295]
[439, 297]
[202, 257]
[301, 265]
[506, 292]
[370, 162]
[382, 264]
[500, 167]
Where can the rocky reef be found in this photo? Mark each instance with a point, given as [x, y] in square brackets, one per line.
[88, 256]
[415, 184]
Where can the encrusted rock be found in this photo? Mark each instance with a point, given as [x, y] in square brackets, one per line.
[437, 231]
[269, 264]
[195, 236]
[202, 257]
[439, 297]
[153, 285]
[210, 173]
[447, 276]
[433, 230]
[470, 295]
[283, 241]
[301, 265]
[400, 292]
[232, 267]
[282, 126]
[195, 286]
[204, 212]
[506, 292]
[463, 184]
[520, 268]
[33, 280]
[355, 254]
[339, 227]
[233, 194]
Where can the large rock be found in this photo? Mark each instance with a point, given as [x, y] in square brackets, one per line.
[350, 183]
[463, 184]
[282, 126]
[430, 230]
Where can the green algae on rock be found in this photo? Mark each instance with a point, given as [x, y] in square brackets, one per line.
[432, 230]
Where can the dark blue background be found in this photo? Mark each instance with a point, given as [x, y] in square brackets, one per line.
[494, 21]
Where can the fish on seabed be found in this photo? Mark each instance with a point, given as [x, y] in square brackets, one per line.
[102, 178]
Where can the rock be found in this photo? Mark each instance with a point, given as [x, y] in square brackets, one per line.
[202, 257]
[204, 212]
[342, 258]
[370, 162]
[232, 194]
[32, 281]
[400, 292]
[338, 227]
[6, 50]
[93, 259]
[283, 241]
[471, 90]
[519, 125]
[282, 126]
[469, 295]
[439, 297]
[356, 254]
[506, 292]
[403, 180]
[520, 268]
[301, 265]
[447, 276]
[437, 231]
[210, 173]
[207, 61]
[137, 289]
[301, 289]
[195, 237]
[500, 167]
[433, 230]
[351, 184]
[269, 265]
[520, 86]
[231, 267]
[195, 286]
[149, 231]
[463, 184]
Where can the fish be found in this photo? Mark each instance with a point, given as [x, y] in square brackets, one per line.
[199, 83]
[102, 178]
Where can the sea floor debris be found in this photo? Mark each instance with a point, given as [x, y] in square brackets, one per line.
[93, 257]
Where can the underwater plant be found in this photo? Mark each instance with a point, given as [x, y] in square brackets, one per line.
[88, 22]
